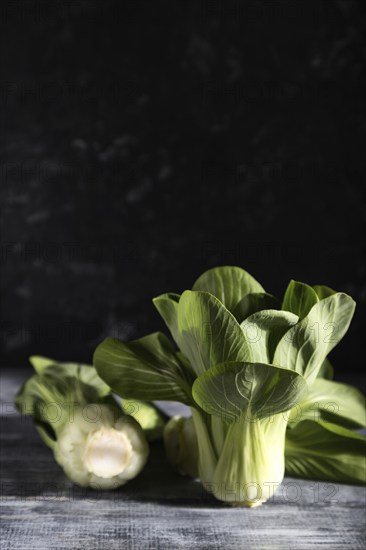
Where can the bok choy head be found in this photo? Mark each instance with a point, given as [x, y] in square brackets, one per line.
[244, 361]
[95, 443]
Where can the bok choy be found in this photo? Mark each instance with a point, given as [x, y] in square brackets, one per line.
[92, 439]
[245, 364]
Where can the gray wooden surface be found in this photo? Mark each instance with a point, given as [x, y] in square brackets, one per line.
[41, 509]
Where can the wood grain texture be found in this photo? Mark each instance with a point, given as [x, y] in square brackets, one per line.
[161, 510]
[148, 141]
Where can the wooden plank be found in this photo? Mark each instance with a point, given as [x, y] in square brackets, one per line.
[41, 509]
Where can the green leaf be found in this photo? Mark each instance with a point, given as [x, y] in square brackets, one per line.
[32, 394]
[299, 298]
[186, 364]
[323, 291]
[53, 393]
[306, 345]
[251, 303]
[41, 363]
[264, 329]
[332, 401]
[167, 306]
[208, 333]
[326, 370]
[146, 369]
[44, 433]
[328, 452]
[151, 420]
[84, 373]
[232, 389]
[229, 284]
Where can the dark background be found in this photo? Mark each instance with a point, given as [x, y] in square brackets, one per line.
[149, 141]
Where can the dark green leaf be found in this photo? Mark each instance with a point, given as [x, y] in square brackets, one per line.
[306, 345]
[329, 400]
[233, 389]
[146, 369]
[208, 333]
[264, 329]
[323, 291]
[167, 306]
[299, 298]
[328, 452]
[251, 303]
[52, 393]
[84, 373]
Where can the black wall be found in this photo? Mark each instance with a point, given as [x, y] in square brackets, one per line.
[149, 141]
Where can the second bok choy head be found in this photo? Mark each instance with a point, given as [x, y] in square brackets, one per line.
[244, 361]
[92, 439]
